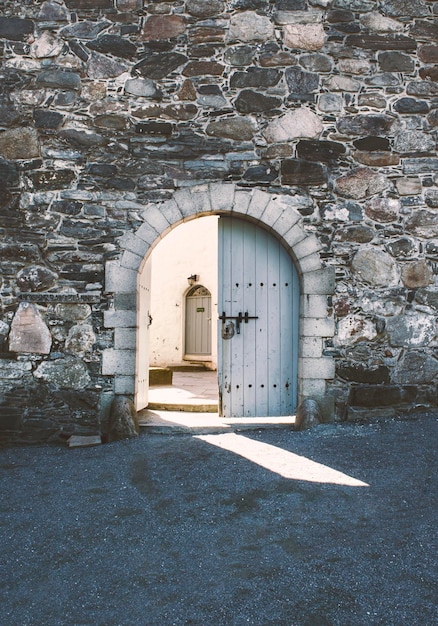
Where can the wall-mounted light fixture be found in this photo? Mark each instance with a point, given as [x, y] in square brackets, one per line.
[194, 278]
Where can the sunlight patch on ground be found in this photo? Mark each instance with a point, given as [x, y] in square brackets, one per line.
[282, 462]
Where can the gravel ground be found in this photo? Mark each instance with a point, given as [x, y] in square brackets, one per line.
[170, 530]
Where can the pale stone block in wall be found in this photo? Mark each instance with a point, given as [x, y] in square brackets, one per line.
[323, 367]
[294, 235]
[154, 216]
[120, 319]
[274, 209]
[171, 212]
[318, 327]
[124, 385]
[130, 260]
[309, 263]
[221, 196]
[311, 347]
[118, 362]
[147, 233]
[258, 204]
[201, 199]
[307, 246]
[125, 338]
[242, 200]
[134, 244]
[314, 305]
[119, 279]
[287, 220]
[312, 387]
[319, 282]
[184, 200]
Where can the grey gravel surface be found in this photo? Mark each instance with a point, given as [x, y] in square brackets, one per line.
[168, 529]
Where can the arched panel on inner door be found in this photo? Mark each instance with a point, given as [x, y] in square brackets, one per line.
[198, 322]
[259, 318]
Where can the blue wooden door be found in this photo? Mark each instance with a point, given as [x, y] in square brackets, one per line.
[258, 326]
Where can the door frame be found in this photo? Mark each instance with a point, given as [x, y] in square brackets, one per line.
[275, 212]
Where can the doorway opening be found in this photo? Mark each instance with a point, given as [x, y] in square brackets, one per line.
[225, 297]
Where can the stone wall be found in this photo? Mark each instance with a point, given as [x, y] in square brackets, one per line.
[109, 106]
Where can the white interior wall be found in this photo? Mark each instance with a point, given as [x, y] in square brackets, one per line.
[190, 248]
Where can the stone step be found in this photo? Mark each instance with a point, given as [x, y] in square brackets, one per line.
[195, 407]
[160, 376]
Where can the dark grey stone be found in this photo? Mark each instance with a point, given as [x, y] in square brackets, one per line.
[301, 82]
[44, 180]
[381, 42]
[411, 8]
[239, 55]
[325, 151]
[84, 29]
[255, 77]
[402, 248]
[46, 119]
[157, 66]
[316, 62]
[300, 172]
[249, 101]
[81, 138]
[114, 44]
[411, 105]
[360, 373]
[15, 28]
[53, 11]
[362, 124]
[372, 144]
[396, 62]
[8, 173]
[36, 278]
[262, 174]
[59, 79]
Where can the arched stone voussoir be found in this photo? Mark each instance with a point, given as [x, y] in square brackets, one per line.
[133, 243]
[222, 196]
[155, 217]
[193, 201]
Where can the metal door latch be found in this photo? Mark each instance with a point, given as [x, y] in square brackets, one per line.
[239, 319]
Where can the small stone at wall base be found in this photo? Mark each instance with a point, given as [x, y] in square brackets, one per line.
[123, 422]
[308, 414]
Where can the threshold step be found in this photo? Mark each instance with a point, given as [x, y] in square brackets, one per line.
[204, 407]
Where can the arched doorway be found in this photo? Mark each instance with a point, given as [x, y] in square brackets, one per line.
[198, 322]
[126, 278]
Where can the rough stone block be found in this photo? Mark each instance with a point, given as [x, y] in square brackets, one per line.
[120, 319]
[314, 305]
[221, 196]
[318, 327]
[311, 347]
[119, 279]
[124, 385]
[118, 362]
[294, 235]
[310, 263]
[153, 216]
[134, 244]
[323, 367]
[125, 338]
[319, 282]
[29, 333]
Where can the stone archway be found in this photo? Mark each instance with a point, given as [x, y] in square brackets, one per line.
[277, 213]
